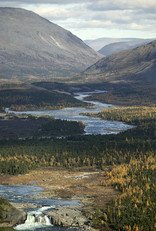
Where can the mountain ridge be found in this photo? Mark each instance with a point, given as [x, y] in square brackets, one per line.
[129, 65]
[120, 46]
[99, 43]
[32, 45]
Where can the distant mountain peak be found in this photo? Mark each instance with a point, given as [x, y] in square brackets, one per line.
[128, 66]
[120, 46]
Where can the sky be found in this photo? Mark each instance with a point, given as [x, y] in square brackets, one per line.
[92, 19]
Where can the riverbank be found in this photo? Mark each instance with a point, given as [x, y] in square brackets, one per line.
[80, 184]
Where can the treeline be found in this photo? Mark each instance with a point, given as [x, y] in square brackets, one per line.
[134, 208]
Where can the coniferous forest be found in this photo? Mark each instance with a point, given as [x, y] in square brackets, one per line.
[127, 160]
[78, 115]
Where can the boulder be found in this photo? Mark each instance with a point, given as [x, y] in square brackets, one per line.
[9, 215]
[69, 216]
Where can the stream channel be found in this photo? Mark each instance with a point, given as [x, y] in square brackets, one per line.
[93, 125]
[36, 220]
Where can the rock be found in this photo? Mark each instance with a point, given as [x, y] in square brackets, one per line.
[25, 205]
[9, 215]
[69, 216]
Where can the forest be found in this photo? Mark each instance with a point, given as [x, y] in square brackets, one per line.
[28, 126]
[29, 99]
[96, 151]
[134, 208]
[127, 95]
[127, 160]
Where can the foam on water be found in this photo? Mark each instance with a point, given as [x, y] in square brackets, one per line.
[36, 219]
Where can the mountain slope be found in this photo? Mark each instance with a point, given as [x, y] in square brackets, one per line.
[32, 45]
[99, 43]
[120, 46]
[134, 65]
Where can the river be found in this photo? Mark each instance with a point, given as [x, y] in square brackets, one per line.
[36, 220]
[93, 125]
[19, 194]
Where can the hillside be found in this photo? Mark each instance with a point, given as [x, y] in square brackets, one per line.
[33, 46]
[136, 65]
[120, 46]
[99, 43]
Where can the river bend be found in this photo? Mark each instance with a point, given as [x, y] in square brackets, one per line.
[93, 126]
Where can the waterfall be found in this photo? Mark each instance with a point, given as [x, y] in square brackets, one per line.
[35, 219]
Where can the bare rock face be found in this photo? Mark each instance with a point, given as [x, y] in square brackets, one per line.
[32, 45]
[10, 216]
[69, 216]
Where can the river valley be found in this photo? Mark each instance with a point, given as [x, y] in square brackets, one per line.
[92, 125]
[36, 219]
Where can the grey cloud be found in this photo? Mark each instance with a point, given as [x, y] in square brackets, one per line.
[104, 5]
[19, 2]
[129, 14]
[59, 13]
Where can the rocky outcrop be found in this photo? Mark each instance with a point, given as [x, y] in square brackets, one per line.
[9, 215]
[69, 216]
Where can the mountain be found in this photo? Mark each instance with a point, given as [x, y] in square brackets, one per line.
[32, 45]
[136, 65]
[120, 46]
[99, 43]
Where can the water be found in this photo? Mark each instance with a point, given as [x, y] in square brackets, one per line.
[93, 125]
[36, 220]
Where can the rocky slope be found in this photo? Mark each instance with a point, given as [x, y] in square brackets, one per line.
[32, 45]
[69, 216]
[10, 216]
[134, 65]
[120, 46]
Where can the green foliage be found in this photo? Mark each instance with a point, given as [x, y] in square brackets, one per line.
[62, 128]
[19, 156]
[130, 155]
[127, 94]
[6, 229]
[24, 126]
[4, 206]
[27, 99]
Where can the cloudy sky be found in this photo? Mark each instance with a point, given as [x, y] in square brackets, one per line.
[90, 19]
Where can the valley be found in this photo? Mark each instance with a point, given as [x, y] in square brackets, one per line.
[90, 168]
[81, 167]
[77, 130]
